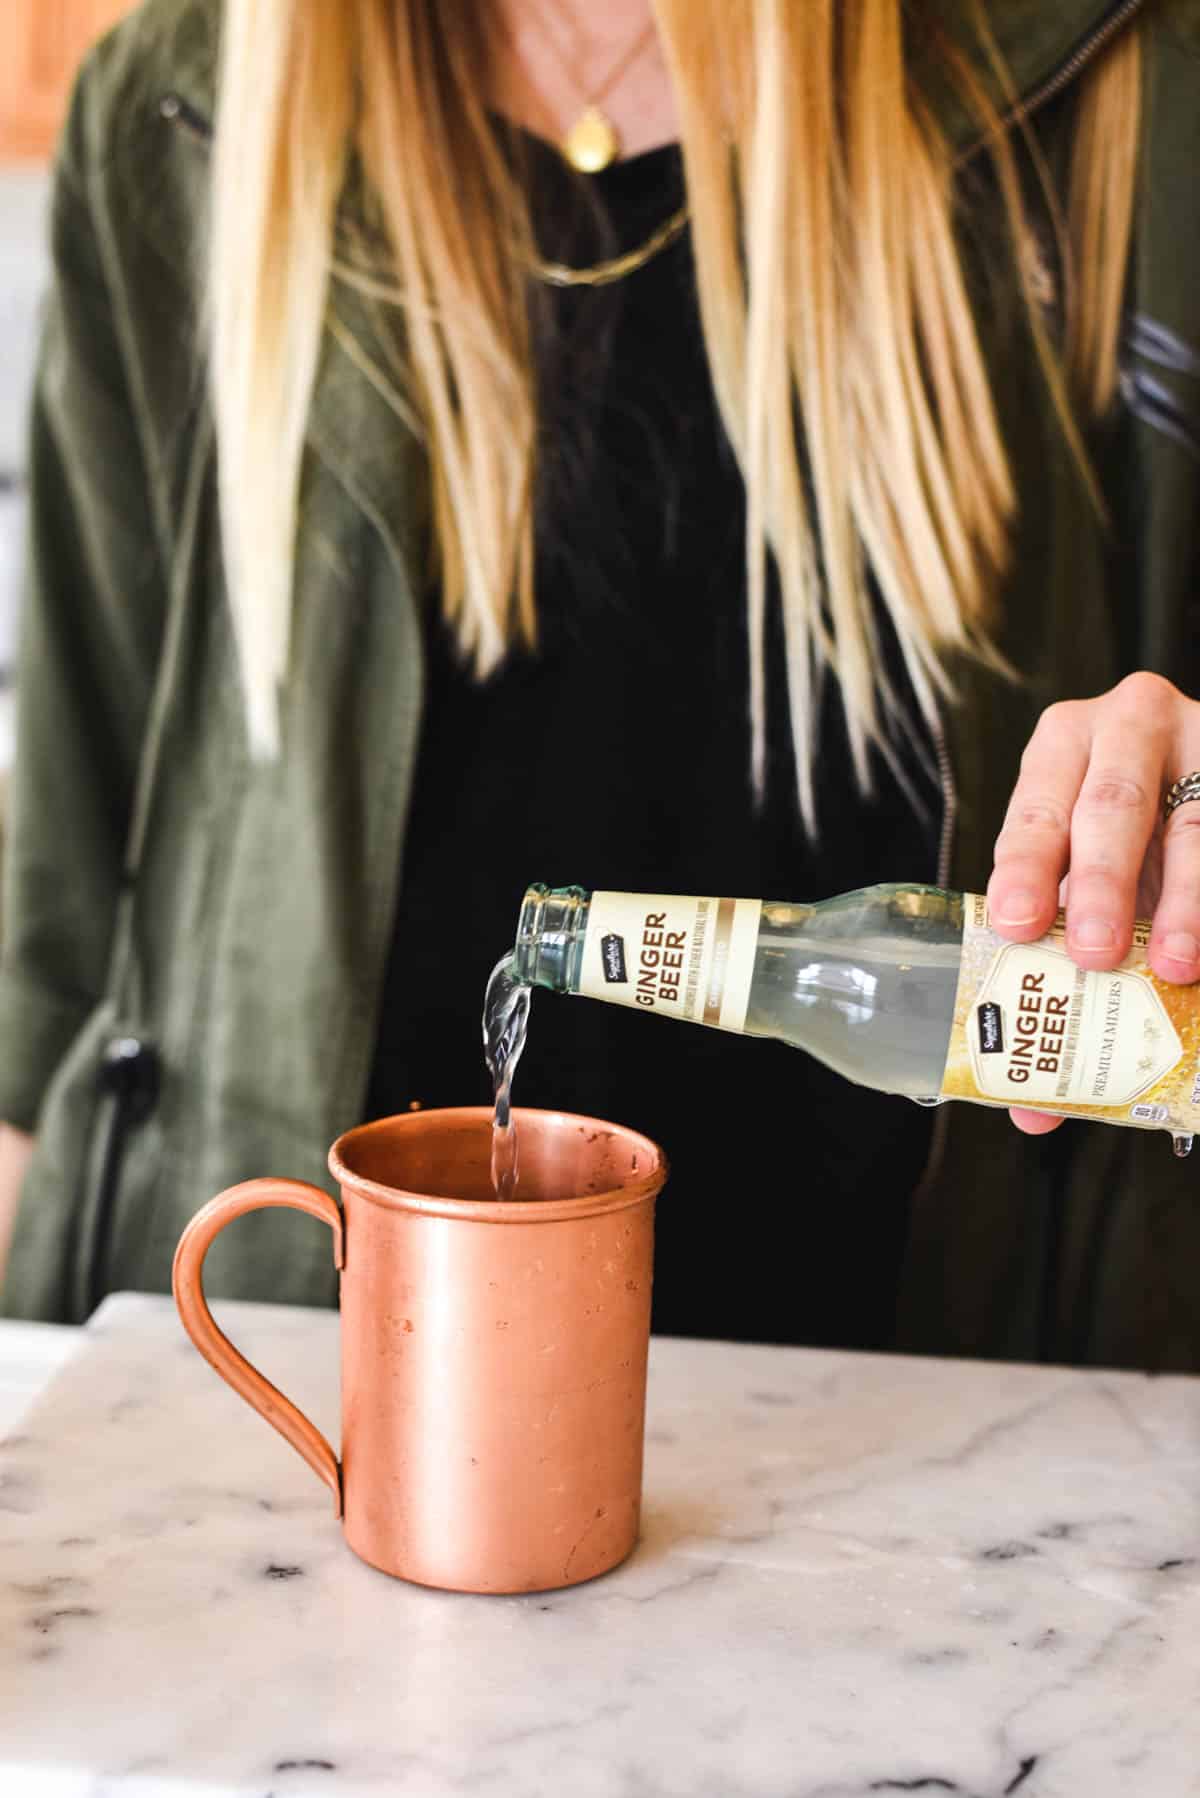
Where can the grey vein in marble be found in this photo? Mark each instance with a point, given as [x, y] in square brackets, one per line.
[857, 1575]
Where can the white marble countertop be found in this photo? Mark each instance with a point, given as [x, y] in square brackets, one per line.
[858, 1575]
[30, 1356]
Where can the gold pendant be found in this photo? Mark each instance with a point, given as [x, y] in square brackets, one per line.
[591, 143]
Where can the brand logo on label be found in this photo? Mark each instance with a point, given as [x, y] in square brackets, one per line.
[612, 959]
[991, 1029]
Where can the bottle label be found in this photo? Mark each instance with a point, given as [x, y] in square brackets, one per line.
[1033, 1029]
[685, 957]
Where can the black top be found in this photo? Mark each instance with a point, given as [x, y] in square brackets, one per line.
[618, 756]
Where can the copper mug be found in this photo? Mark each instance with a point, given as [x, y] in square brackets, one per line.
[493, 1353]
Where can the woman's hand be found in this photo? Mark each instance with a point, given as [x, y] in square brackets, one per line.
[15, 1151]
[1088, 805]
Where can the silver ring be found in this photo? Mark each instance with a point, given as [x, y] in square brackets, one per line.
[1185, 788]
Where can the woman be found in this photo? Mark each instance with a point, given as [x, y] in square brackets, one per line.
[723, 517]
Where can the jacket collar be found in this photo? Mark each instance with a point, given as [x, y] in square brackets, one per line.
[1028, 51]
[1038, 44]
[192, 61]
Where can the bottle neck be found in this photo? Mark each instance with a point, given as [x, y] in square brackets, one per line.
[550, 931]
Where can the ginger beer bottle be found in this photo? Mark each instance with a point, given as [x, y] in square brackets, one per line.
[906, 989]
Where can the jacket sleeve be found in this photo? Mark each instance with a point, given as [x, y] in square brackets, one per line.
[89, 639]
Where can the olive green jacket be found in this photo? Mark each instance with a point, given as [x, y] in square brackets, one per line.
[161, 886]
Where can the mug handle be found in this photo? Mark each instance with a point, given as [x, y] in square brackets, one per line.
[188, 1285]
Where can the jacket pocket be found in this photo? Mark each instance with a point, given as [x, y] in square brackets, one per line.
[96, 1103]
[127, 1087]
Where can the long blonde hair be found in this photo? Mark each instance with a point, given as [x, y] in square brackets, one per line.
[843, 348]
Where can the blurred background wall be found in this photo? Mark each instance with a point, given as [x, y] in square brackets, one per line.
[23, 275]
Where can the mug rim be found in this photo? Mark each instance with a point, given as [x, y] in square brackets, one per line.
[500, 1211]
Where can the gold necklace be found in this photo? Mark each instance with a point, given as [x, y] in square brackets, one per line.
[591, 143]
[600, 274]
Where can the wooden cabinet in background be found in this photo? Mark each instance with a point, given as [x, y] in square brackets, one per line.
[41, 44]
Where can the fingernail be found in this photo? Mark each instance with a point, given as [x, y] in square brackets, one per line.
[1179, 946]
[1017, 908]
[1093, 933]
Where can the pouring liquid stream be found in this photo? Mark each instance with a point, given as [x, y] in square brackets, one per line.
[505, 1022]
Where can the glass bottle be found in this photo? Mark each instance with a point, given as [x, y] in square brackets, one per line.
[906, 989]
